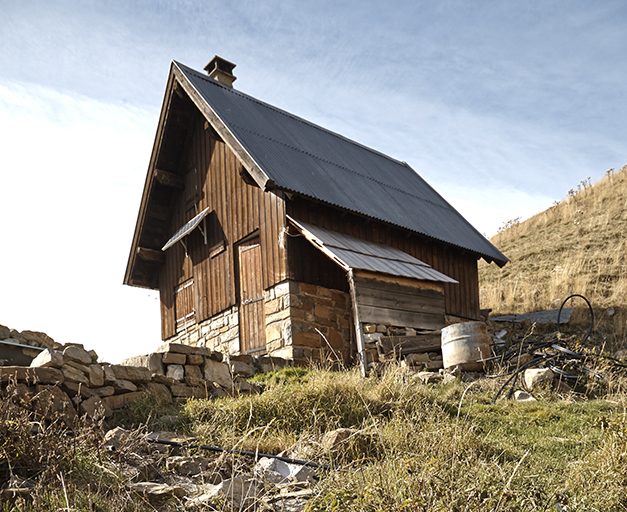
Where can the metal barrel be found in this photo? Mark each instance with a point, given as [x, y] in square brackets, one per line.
[465, 344]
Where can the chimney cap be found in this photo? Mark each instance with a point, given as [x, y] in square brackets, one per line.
[221, 70]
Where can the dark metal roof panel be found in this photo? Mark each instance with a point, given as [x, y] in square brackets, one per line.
[307, 159]
[360, 254]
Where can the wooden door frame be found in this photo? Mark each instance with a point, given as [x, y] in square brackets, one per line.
[253, 238]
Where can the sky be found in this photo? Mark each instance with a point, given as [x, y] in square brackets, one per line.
[502, 106]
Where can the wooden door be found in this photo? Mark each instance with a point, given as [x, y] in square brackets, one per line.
[252, 321]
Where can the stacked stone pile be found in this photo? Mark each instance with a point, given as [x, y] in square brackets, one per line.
[70, 382]
[28, 338]
[429, 360]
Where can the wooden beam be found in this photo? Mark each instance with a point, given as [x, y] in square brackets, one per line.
[151, 255]
[390, 347]
[169, 179]
[361, 346]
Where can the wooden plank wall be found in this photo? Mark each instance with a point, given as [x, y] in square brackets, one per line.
[240, 210]
[306, 264]
[398, 301]
[460, 299]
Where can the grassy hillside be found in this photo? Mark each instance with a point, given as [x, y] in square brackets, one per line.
[576, 246]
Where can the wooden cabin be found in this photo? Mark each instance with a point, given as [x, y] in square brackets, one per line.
[267, 234]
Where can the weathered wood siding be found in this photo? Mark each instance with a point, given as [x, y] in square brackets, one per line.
[238, 210]
[461, 299]
[306, 264]
[399, 301]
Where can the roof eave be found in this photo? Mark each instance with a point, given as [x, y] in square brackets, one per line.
[148, 184]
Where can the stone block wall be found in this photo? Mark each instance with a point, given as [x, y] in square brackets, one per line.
[311, 309]
[293, 312]
[69, 383]
[220, 332]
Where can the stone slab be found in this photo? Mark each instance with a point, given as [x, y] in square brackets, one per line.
[116, 402]
[33, 375]
[132, 373]
[78, 354]
[179, 348]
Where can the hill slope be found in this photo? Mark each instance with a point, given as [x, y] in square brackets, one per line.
[576, 246]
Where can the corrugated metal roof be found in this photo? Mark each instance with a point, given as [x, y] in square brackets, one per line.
[358, 254]
[304, 158]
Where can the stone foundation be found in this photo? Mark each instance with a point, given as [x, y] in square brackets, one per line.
[293, 312]
[220, 332]
[319, 324]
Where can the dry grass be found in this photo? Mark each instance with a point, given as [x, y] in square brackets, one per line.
[576, 246]
[431, 447]
[437, 447]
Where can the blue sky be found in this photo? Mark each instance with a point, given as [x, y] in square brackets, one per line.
[502, 106]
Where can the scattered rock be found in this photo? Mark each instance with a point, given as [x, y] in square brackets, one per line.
[188, 466]
[621, 354]
[533, 377]
[157, 493]
[523, 396]
[275, 471]
[115, 438]
[430, 377]
[521, 360]
[416, 359]
[239, 492]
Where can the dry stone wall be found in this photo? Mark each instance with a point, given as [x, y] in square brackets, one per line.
[67, 381]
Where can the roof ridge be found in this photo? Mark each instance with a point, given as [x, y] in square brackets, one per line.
[293, 116]
[387, 185]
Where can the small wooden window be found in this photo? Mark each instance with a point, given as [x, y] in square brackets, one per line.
[185, 310]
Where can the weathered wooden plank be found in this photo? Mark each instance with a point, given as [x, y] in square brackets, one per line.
[370, 314]
[395, 284]
[151, 255]
[168, 179]
[402, 302]
[390, 346]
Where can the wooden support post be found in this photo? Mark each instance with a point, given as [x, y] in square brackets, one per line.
[169, 179]
[151, 255]
[361, 347]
